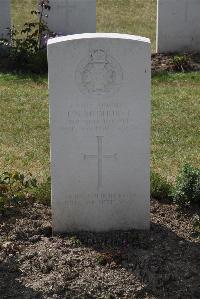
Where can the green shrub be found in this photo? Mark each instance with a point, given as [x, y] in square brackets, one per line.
[26, 50]
[181, 63]
[37, 62]
[187, 188]
[74, 241]
[42, 193]
[15, 188]
[160, 188]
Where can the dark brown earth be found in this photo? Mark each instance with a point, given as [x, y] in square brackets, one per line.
[161, 263]
[166, 62]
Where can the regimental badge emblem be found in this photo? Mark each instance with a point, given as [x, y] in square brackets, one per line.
[99, 74]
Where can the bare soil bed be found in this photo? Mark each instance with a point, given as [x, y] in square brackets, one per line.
[166, 62]
[161, 263]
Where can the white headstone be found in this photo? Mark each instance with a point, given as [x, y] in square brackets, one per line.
[72, 16]
[99, 87]
[178, 26]
[4, 18]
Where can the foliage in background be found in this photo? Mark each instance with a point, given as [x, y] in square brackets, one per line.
[160, 188]
[187, 188]
[136, 17]
[26, 50]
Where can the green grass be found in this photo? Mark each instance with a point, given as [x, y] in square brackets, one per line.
[175, 122]
[136, 17]
[175, 103]
[24, 133]
[126, 16]
[21, 12]
[24, 138]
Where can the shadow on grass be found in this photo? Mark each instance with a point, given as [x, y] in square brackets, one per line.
[10, 75]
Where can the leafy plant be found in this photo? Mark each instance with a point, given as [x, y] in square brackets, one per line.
[27, 49]
[41, 26]
[74, 241]
[181, 63]
[160, 188]
[187, 188]
[108, 257]
[42, 193]
[14, 188]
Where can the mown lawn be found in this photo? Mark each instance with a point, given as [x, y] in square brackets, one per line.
[175, 122]
[126, 16]
[24, 133]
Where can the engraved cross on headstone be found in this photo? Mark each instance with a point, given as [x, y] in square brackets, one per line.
[99, 158]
